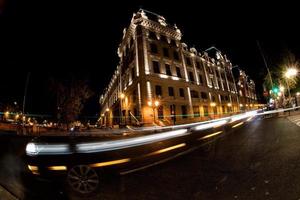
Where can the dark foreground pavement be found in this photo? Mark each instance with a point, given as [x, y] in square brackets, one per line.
[258, 161]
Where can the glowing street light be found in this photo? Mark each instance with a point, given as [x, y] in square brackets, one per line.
[291, 72]
[156, 104]
[281, 88]
[213, 104]
[229, 104]
[107, 109]
[122, 96]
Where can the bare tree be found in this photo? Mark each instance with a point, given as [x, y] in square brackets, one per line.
[71, 96]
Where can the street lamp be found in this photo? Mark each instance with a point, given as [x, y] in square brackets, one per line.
[156, 104]
[122, 96]
[289, 74]
[213, 105]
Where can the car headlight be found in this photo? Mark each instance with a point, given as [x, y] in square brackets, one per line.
[31, 149]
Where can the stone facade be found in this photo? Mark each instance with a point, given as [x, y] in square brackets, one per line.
[160, 80]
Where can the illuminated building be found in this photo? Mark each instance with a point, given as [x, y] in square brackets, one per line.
[246, 89]
[159, 79]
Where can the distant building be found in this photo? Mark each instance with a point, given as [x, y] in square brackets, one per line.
[160, 80]
[246, 90]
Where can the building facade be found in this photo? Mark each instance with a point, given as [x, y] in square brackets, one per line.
[161, 80]
[246, 90]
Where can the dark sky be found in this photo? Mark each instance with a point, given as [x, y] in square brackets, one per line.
[60, 38]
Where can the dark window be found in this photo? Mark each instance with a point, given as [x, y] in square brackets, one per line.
[134, 96]
[181, 92]
[173, 42]
[171, 91]
[166, 52]
[213, 98]
[194, 94]
[168, 70]
[205, 109]
[163, 38]
[212, 82]
[222, 97]
[220, 85]
[191, 76]
[152, 35]
[200, 79]
[176, 55]
[132, 73]
[223, 109]
[203, 95]
[155, 65]
[198, 65]
[158, 90]
[188, 61]
[226, 98]
[178, 72]
[160, 112]
[223, 76]
[196, 111]
[215, 110]
[153, 48]
[184, 112]
[131, 42]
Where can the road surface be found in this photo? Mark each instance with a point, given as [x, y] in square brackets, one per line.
[260, 160]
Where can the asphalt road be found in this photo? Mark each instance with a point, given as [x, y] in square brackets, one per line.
[260, 160]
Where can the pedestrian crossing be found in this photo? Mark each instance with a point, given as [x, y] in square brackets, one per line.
[295, 119]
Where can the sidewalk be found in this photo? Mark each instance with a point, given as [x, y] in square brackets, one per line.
[4, 194]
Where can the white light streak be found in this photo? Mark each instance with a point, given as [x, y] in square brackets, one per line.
[127, 143]
[210, 125]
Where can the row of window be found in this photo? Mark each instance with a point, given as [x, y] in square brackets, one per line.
[156, 69]
[196, 111]
[162, 38]
[166, 53]
[194, 94]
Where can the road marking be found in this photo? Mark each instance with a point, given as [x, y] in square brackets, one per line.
[295, 119]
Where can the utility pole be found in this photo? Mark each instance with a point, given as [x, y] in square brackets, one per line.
[24, 100]
[25, 92]
[265, 62]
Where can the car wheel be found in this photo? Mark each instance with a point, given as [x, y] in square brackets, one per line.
[83, 179]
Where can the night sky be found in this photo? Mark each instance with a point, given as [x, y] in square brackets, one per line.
[55, 39]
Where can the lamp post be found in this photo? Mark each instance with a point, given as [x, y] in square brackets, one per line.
[153, 106]
[289, 74]
[213, 105]
[122, 96]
